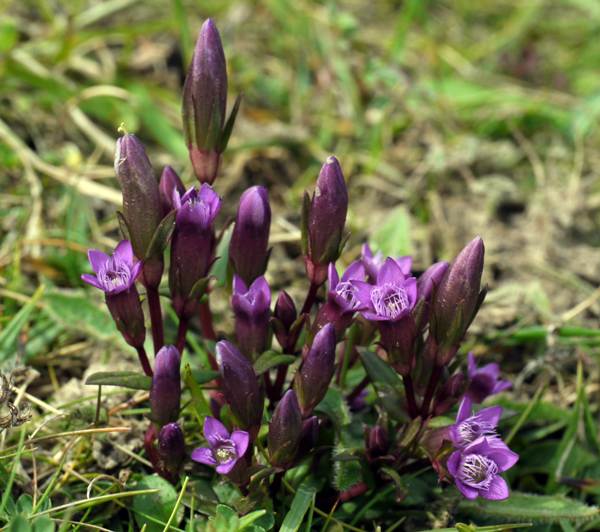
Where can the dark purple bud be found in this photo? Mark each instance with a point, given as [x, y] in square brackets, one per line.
[169, 183]
[309, 435]
[484, 381]
[240, 387]
[324, 217]
[430, 279]
[457, 299]
[249, 246]
[398, 339]
[449, 394]
[205, 102]
[251, 307]
[142, 208]
[192, 246]
[165, 392]
[284, 317]
[314, 375]
[171, 449]
[116, 276]
[377, 441]
[285, 430]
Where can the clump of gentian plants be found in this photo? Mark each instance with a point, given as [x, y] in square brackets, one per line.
[281, 381]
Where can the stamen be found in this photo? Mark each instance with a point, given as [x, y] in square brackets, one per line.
[478, 471]
[475, 427]
[348, 293]
[225, 453]
[389, 300]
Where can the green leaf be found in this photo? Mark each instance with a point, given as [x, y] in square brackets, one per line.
[393, 237]
[161, 236]
[154, 509]
[228, 128]
[225, 520]
[303, 500]
[8, 337]
[43, 524]
[198, 402]
[334, 406]
[204, 376]
[19, 523]
[347, 471]
[528, 507]
[219, 268]
[125, 379]
[249, 519]
[272, 359]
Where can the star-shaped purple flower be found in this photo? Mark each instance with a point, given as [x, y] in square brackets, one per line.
[476, 468]
[224, 449]
[484, 381]
[374, 262]
[342, 291]
[391, 298]
[470, 427]
[198, 207]
[251, 301]
[114, 274]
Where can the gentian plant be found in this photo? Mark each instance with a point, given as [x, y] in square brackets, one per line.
[377, 349]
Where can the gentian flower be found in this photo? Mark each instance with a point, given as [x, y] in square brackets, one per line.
[168, 184]
[171, 450]
[165, 393]
[476, 468]
[284, 318]
[389, 303]
[374, 262]
[470, 427]
[116, 276]
[249, 245]
[342, 301]
[285, 430]
[251, 307]
[224, 449]
[323, 220]
[484, 381]
[192, 246]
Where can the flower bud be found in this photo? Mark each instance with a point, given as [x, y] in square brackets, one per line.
[171, 449]
[309, 435]
[323, 220]
[251, 307]
[249, 246]
[449, 394]
[376, 441]
[205, 102]
[142, 208]
[314, 375]
[192, 246]
[284, 317]
[165, 392]
[169, 183]
[398, 339]
[285, 430]
[457, 299]
[430, 279]
[240, 387]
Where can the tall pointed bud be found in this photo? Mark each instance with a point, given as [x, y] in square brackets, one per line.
[377, 441]
[249, 246]
[285, 430]
[284, 317]
[240, 387]
[457, 299]
[169, 183]
[314, 375]
[323, 220]
[205, 102]
[142, 210]
[171, 450]
[165, 392]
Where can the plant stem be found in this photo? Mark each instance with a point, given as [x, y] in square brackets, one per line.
[156, 319]
[411, 403]
[310, 298]
[181, 333]
[206, 321]
[144, 360]
[431, 386]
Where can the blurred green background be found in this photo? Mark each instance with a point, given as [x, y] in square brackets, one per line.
[450, 119]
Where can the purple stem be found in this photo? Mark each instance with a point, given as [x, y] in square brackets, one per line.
[181, 333]
[411, 403]
[431, 386]
[144, 361]
[156, 319]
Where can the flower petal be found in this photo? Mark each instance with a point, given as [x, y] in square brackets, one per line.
[136, 269]
[241, 440]
[97, 259]
[405, 264]
[502, 455]
[464, 410]
[410, 285]
[471, 365]
[226, 467]
[333, 278]
[239, 286]
[390, 272]
[491, 414]
[356, 271]
[497, 491]
[203, 455]
[91, 279]
[453, 463]
[124, 252]
[467, 491]
[214, 431]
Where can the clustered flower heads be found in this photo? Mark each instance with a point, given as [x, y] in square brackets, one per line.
[281, 362]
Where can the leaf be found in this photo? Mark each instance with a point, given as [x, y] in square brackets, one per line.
[161, 236]
[43, 524]
[248, 520]
[154, 509]
[347, 471]
[228, 128]
[272, 359]
[303, 500]
[204, 376]
[18, 523]
[123, 227]
[198, 402]
[393, 237]
[529, 507]
[125, 379]
[225, 520]
[8, 337]
[219, 268]
[334, 406]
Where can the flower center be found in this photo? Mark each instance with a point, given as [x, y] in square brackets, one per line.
[473, 428]
[389, 300]
[478, 471]
[348, 293]
[114, 275]
[225, 453]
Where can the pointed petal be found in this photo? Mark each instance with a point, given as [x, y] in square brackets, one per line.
[241, 440]
[226, 467]
[333, 278]
[356, 271]
[363, 292]
[497, 491]
[410, 285]
[503, 456]
[124, 252]
[453, 463]
[493, 370]
[491, 414]
[405, 264]
[261, 288]
[214, 431]
[91, 279]
[390, 272]
[136, 270]
[239, 286]
[366, 252]
[501, 386]
[97, 259]
[467, 491]
[464, 410]
[204, 456]
[471, 365]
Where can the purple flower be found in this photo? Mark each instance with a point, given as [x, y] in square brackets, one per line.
[224, 449]
[342, 301]
[285, 430]
[197, 207]
[374, 262]
[114, 274]
[476, 468]
[392, 297]
[470, 427]
[484, 381]
[430, 279]
[251, 307]
[284, 317]
[165, 393]
[171, 450]
[169, 183]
